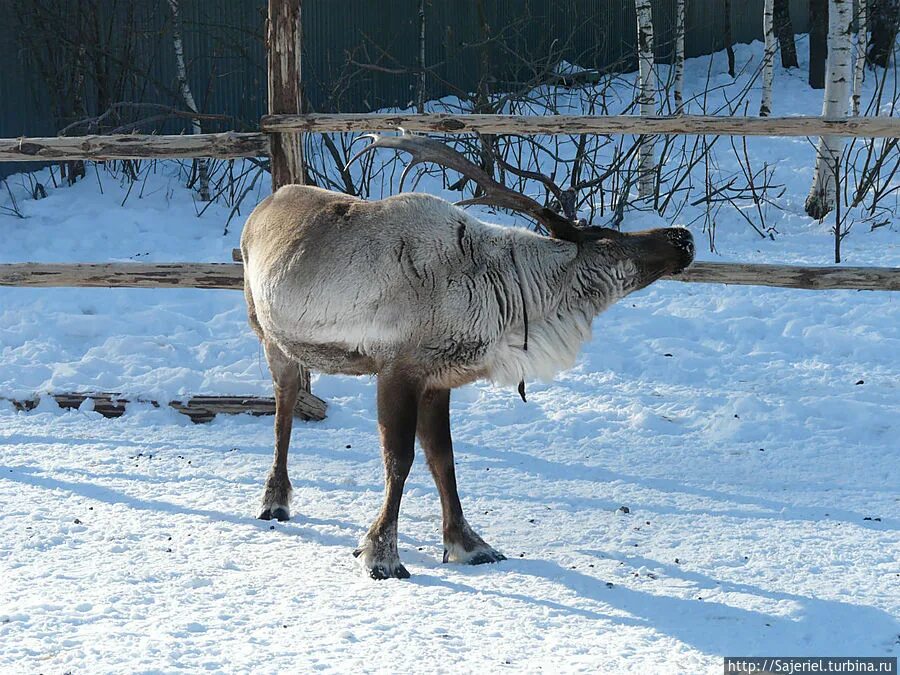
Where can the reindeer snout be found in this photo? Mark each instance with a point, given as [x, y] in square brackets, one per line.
[683, 242]
[659, 252]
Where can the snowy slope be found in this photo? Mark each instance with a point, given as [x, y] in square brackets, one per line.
[753, 434]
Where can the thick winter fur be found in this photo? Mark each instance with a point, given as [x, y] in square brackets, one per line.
[417, 291]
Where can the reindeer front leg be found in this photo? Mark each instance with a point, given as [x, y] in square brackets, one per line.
[398, 397]
[461, 543]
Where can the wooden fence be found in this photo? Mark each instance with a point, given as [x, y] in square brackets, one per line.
[281, 141]
[231, 276]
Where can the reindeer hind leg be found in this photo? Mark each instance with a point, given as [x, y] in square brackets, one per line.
[461, 543]
[398, 396]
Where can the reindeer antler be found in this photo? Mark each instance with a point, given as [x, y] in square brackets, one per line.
[425, 149]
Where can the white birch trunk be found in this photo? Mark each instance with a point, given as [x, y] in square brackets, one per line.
[838, 75]
[646, 95]
[679, 57]
[765, 106]
[185, 87]
[861, 45]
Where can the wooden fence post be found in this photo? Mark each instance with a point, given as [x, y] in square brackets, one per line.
[283, 40]
[284, 37]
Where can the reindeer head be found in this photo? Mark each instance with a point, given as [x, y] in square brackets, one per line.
[653, 253]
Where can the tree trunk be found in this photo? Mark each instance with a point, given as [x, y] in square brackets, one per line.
[818, 42]
[679, 57]
[729, 39]
[75, 169]
[765, 106]
[646, 94]
[420, 88]
[859, 65]
[883, 20]
[181, 72]
[483, 102]
[784, 29]
[837, 90]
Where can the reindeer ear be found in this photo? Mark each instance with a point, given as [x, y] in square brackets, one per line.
[559, 226]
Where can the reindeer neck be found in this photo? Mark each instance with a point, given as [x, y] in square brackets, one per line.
[542, 268]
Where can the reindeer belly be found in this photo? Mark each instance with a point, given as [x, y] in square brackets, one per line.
[329, 340]
[331, 358]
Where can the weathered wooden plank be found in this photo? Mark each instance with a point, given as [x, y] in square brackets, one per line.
[134, 146]
[124, 275]
[233, 144]
[230, 275]
[793, 276]
[198, 408]
[858, 127]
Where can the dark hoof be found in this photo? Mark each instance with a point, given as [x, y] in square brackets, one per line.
[380, 572]
[383, 570]
[479, 557]
[279, 513]
[484, 557]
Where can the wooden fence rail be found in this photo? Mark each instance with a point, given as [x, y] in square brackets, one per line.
[134, 146]
[858, 127]
[230, 275]
[124, 275]
[233, 145]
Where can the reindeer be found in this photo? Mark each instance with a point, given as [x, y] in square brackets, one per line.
[417, 292]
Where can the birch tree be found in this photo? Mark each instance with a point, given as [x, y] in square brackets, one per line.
[679, 56]
[837, 96]
[860, 63]
[765, 106]
[185, 88]
[646, 94]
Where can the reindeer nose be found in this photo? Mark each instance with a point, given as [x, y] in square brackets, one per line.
[683, 241]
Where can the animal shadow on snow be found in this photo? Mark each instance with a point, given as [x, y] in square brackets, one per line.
[574, 471]
[31, 476]
[710, 626]
[817, 627]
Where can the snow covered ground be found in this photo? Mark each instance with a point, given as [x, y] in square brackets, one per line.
[753, 434]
